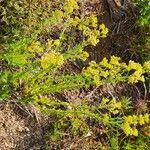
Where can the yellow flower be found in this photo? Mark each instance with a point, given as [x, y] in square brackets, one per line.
[134, 120]
[97, 80]
[93, 20]
[104, 30]
[135, 66]
[104, 101]
[57, 42]
[135, 77]
[115, 106]
[141, 120]
[74, 21]
[115, 60]
[70, 5]
[118, 105]
[84, 55]
[93, 40]
[105, 119]
[129, 119]
[134, 132]
[104, 74]
[126, 128]
[35, 47]
[57, 16]
[51, 59]
[49, 44]
[115, 111]
[146, 66]
[102, 27]
[105, 63]
[146, 117]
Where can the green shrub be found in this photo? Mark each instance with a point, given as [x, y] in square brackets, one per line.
[20, 18]
[36, 74]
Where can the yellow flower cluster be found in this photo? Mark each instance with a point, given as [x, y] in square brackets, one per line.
[35, 47]
[146, 66]
[51, 43]
[93, 21]
[89, 24]
[51, 59]
[84, 24]
[103, 70]
[89, 27]
[57, 16]
[105, 119]
[57, 42]
[91, 34]
[93, 72]
[90, 21]
[103, 30]
[83, 55]
[74, 21]
[114, 71]
[112, 105]
[138, 71]
[130, 123]
[70, 5]
[115, 106]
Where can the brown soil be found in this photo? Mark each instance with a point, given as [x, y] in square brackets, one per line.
[20, 129]
[23, 128]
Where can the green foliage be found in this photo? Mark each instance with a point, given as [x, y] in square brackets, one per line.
[41, 74]
[78, 113]
[142, 143]
[142, 42]
[141, 45]
[144, 11]
[20, 16]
